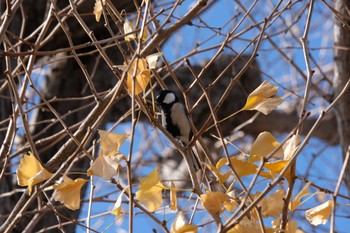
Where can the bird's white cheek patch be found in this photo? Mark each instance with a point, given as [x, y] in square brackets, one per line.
[169, 98]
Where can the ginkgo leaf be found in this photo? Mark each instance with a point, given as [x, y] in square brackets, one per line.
[173, 199]
[273, 204]
[276, 168]
[263, 146]
[105, 166]
[68, 192]
[128, 28]
[179, 225]
[297, 200]
[242, 167]
[290, 146]
[230, 204]
[111, 142]
[150, 191]
[246, 225]
[218, 174]
[262, 99]
[152, 60]
[213, 201]
[118, 204]
[291, 227]
[320, 214]
[141, 81]
[98, 9]
[30, 172]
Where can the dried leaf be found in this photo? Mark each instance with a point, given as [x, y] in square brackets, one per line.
[128, 28]
[179, 225]
[98, 9]
[242, 167]
[246, 225]
[263, 146]
[273, 204]
[296, 201]
[152, 60]
[68, 192]
[118, 204]
[230, 204]
[150, 191]
[173, 199]
[320, 214]
[290, 146]
[111, 142]
[262, 99]
[218, 174]
[30, 172]
[105, 166]
[276, 168]
[213, 201]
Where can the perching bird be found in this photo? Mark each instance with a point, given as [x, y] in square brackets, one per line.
[175, 120]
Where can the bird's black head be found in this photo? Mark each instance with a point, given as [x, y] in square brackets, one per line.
[166, 98]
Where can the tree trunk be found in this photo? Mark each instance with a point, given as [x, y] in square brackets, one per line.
[342, 75]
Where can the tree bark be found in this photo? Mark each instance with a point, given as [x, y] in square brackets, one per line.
[342, 75]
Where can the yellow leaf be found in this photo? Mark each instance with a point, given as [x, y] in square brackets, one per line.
[179, 225]
[290, 146]
[320, 214]
[277, 167]
[291, 227]
[105, 166]
[118, 204]
[150, 191]
[231, 204]
[173, 199]
[242, 167]
[296, 201]
[98, 9]
[111, 142]
[213, 201]
[128, 28]
[68, 192]
[142, 77]
[144, 34]
[152, 60]
[30, 172]
[273, 204]
[263, 146]
[218, 174]
[262, 99]
[246, 225]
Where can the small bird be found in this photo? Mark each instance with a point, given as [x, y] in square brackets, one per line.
[175, 120]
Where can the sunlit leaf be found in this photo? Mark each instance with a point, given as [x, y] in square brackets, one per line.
[173, 199]
[179, 225]
[68, 192]
[242, 167]
[291, 227]
[150, 191]
[218, 174]
[290, 146]
[111, 142]
[262, 99]
[320, 214]
[276, 168]
[98, 9]
[230, 204]
[213, 201]
[263, 146]
[152, 60]
[273, 204]
[118, 204]
[246, 225]
[105, 166]
[297, 200]
[128, 28]
[30, 172]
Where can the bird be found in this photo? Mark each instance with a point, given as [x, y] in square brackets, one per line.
[175, 120]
